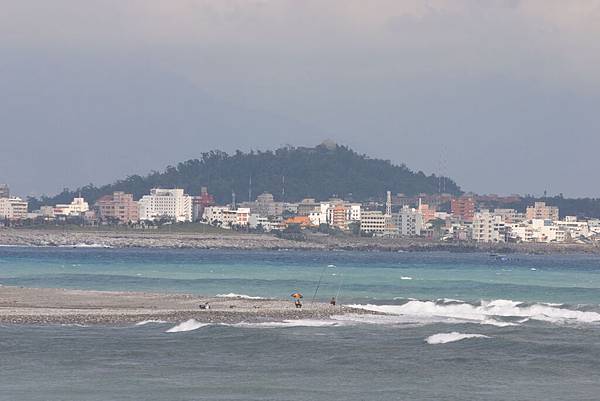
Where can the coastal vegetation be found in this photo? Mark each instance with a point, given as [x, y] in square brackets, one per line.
[290, 173]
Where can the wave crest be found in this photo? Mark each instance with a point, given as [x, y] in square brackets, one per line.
[188, 325]
[443, 338]
[239, 296]
[495, 312]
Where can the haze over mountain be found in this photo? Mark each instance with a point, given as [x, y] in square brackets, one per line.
[501, 95]
[291, 174]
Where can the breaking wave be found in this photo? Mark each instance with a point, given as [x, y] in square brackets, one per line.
[498, 312]
[239, 296]
[443, 338]
[188, 325]
[145, 322]
[289, 323]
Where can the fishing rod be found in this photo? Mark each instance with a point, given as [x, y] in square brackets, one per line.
[318, 285]
[337, 294]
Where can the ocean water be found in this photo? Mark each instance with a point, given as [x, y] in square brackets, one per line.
[459, 327]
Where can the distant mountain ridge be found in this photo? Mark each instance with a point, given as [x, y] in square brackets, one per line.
[289, 173]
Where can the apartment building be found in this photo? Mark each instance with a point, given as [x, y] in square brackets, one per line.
[488, 227]
[463, 208]
[373, 222]
[408, 221]
[13, 208]
[117, 207]
[541, 211]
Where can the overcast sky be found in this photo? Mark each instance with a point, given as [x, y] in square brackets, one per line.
[502, 95]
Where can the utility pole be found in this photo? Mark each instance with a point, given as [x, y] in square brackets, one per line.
[250, 189]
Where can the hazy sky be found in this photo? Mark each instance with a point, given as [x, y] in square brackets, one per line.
[502, 95]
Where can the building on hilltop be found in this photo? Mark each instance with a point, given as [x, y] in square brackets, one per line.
[117, 207]
[166, 203]
[541, 211]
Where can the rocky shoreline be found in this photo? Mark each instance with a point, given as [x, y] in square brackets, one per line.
[42, 306]
[242, 241]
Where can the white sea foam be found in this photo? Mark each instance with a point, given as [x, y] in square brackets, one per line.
[406, 278]
[85, 245]
[443, 338]
[487, 312]
[289, 323]
[239, 296]
[188, 325]
[145, 322]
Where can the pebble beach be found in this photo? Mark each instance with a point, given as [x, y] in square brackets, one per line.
[79, 307]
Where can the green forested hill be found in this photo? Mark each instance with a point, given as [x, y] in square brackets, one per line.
[319, 172]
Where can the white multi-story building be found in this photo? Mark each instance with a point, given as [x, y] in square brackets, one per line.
[355, 211]
[510, 216]
[166, 203]
[594, 226]
[13, 208]
[573, 228]
[409, 221]
[255, 220]
[76, 208]
[225, 217]
[488, 227]
[373, 222]
[536, 230]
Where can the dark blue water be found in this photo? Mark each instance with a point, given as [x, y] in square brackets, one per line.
[540, 316]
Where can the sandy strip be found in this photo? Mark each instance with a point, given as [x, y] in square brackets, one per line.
[59, 306]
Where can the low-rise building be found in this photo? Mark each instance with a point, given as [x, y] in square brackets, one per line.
[301, 221]
[573, 228]
[74, 209]
[224, 217]
[536, 230]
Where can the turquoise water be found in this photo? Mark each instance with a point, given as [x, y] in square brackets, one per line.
[358, 276]
[459, 327]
